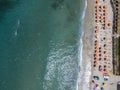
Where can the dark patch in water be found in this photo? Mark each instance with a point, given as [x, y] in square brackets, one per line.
[73, 10]
[6, 5]
[57, 5]
[72, 16]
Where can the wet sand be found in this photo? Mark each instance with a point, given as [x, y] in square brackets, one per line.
[87, 47]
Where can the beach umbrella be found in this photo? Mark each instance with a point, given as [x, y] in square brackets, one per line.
[104, 58]
[96, 20]
[104, 10]
[104, 17]
[96, 41]
[104, 69]
[105, 79]
[105, 38]
[97, 44]
[104, 84]
[100, 68]
[99, 10]
[105, 20]
[104, 14]
[104, 45]
[95, 50]
[93, 81]
[100, 6]
[96, 78]
[96, 54]
[100, 59]
[109, 24]
[105, 52]
[97, 6]
[102, 88]
[96, 2]
[100, 51]
[97, 27]
[104, 6]
[97, 31]
[110, 72]
[96, 58]
[116, 2]
[100, 54]
[116, 9]
[94, 65]
[105, 66]
[97, 17]
[95, 62]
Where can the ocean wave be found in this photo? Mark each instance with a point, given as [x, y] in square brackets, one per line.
[61, 69]
[81, 72]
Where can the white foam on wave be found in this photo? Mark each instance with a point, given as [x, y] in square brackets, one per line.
[17, 27]
[80, 72]
[60, 69]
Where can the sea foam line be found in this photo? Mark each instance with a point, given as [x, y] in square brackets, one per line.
[81, 46]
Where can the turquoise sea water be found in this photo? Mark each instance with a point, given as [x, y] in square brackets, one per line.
[39, 41]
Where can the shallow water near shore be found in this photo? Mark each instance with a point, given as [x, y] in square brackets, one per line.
[39, 44]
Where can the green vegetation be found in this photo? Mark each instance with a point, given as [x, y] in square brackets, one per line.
[117, 40]
[117, 47]
[116, 11]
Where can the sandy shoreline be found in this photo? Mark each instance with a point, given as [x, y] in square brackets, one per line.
[87, 47]
[86, 68]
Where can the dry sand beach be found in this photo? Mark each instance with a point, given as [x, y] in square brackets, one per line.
[102, 66]
[88, 52]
